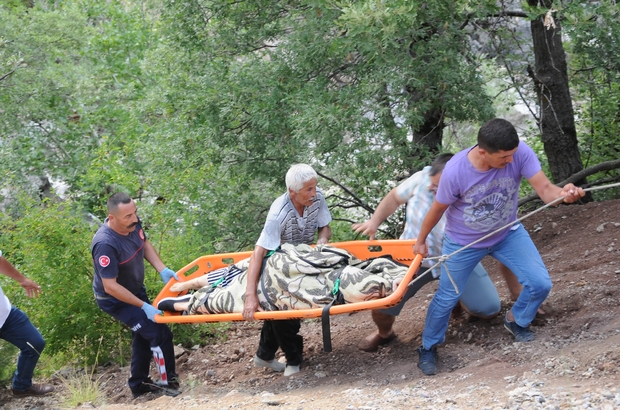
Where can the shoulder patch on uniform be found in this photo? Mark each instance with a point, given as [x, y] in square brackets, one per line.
[104, 261]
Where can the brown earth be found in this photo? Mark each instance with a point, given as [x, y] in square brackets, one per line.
[574, 361]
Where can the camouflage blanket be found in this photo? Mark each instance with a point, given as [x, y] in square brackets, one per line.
[302, 277]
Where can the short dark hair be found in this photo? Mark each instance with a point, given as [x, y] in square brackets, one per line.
[498, 135]
[439, 163]
[116, 199]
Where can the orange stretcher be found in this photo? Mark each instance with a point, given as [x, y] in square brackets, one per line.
[399, 250]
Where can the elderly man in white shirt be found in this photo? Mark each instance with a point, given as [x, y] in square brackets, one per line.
[295, 217]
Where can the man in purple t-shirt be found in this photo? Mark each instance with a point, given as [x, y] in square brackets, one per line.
[479, 193]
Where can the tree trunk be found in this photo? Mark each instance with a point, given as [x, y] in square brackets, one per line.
[426, 139]
[430, 132]
[557, 121]
[428, 135]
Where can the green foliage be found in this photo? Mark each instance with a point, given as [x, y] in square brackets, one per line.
[40, 49]
[190, 335]
[342, 86]
[58, 258]
[594, 29]
[74, 73]
[8, 360]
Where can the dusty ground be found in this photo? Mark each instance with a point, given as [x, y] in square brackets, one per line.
[573, 363]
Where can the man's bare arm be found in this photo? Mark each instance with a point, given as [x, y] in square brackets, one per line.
[386, 207]
[430, 220]
[324, 235]
[549, 192]
[251, 298]
[31, 287]
[118, 291]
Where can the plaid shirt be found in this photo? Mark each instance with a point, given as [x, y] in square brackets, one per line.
[415, 190]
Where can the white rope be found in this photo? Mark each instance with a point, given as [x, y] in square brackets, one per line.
[443, 258]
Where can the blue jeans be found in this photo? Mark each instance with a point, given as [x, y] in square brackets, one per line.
[19, 331]
[517, 252]
[479, 297]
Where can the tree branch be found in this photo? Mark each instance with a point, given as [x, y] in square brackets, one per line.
[510, 13]
[19, 63]
[505, 13]
[344, 199]
[348, 191]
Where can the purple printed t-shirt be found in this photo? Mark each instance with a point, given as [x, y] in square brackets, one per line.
[483, 201]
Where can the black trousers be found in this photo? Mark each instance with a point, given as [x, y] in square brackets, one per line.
[149, 340]
[282, 334]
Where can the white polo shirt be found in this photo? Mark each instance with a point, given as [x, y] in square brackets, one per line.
[285, 225]
[415, 190]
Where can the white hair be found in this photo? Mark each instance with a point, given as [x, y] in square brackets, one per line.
[298, 175]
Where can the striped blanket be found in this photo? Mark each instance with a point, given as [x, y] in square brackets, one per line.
[301, 277]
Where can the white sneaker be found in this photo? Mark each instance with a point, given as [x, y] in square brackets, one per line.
[271, 364]
[291, 370]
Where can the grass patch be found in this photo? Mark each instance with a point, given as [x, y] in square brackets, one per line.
[82, 387]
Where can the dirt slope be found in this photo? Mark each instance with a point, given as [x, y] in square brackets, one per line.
[573, 362]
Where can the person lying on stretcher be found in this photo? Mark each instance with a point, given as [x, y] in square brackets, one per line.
[219, 277]
[294, 277]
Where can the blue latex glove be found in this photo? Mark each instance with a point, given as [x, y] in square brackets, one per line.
[150, 311]
[168, 274]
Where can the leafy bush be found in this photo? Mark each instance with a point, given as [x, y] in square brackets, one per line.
[8, 357]
[58, 258]
[50, 245]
